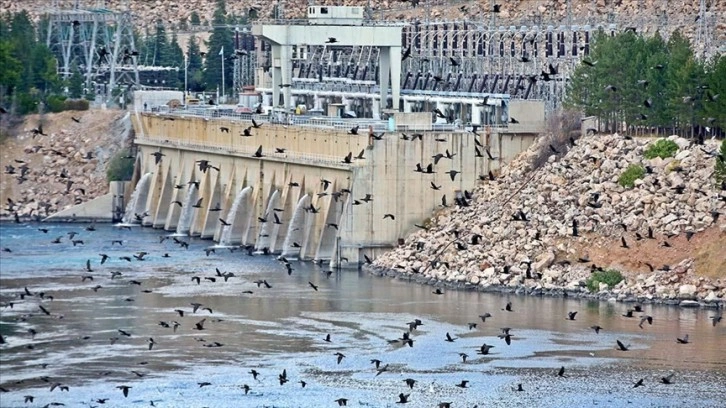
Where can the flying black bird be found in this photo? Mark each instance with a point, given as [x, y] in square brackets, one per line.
[406, 54]
[667, 379]
[124, 389]
[258, 153]
[644, 319]
[571, 315]
[347, 159]
[683, 340]
[157, 157]
[561, 372]
[623, 243]
[621, 346]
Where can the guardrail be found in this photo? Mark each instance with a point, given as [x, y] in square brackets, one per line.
[325, 122]
[308, 158]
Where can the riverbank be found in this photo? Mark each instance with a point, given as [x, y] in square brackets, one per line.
[666, 236]
[539, 290]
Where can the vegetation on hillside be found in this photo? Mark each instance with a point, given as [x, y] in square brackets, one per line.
[630, 80]
[720, 170]
[632, 173]
[29, 80]
[610, 277]
[27, 68]
[663, 148]
[120, 168]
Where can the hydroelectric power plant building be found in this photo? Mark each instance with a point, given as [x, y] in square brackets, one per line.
[369, 128]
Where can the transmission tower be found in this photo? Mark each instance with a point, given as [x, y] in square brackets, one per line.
[97, 41]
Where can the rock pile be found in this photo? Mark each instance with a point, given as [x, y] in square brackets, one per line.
[650, 16]
[516, 234]
[65, 167]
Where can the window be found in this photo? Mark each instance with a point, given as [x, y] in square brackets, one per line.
[323, 10]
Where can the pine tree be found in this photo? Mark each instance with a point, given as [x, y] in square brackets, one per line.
[43, 66]
[714, 103]
[175, 58]
[75, 83]
[10, 69]
[159, 46]
[220, 40]
[194, 66]
[22, 38]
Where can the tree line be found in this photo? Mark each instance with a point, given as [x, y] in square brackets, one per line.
[650, 85]
[29, 70]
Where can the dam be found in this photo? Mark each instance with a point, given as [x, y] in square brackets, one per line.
[311, 188]
[336, 168]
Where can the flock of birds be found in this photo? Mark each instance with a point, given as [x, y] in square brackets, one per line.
[20, 169]
[185, 317]
[204, 165]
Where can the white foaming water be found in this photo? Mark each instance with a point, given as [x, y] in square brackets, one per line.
[296, 228]
[137, 202]
[185, 219]
[264, 240]
[241, 199]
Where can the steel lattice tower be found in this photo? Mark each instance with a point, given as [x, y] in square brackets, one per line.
[98, 41]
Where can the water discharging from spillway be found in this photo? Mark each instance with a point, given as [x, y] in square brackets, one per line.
[137, 202]
[268, 228]
[240, 200]
[296, 229]
[187, 211]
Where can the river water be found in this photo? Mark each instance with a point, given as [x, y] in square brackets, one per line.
[284, 328]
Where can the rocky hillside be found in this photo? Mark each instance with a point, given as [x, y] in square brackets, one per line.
[43, 174]
[649, 14]
[667, 234]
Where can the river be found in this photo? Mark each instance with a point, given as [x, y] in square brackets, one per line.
[285, 327]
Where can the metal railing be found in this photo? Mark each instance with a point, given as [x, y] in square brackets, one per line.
[320, 122]
[230, 149]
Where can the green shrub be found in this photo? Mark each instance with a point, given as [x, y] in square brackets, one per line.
[55, 103]
[632, 173]
[720, 170]
[662, 148]
[75, 104]
[27, 103]
[120, 168]
[610, 276]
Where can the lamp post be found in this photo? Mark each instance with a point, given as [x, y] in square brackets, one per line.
[186, 66]
[221, 53]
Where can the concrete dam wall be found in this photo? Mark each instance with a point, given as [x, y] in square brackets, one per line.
[300, 197]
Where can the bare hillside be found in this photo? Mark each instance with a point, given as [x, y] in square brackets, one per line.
[650, 15]
[65, 166]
